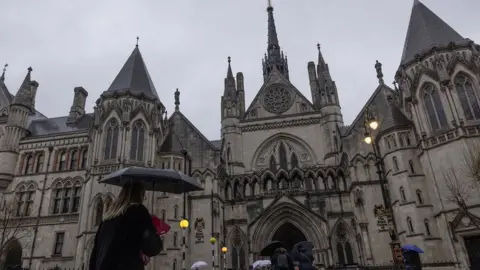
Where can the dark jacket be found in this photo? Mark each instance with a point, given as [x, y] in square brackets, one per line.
[274, 259]
[119, 241]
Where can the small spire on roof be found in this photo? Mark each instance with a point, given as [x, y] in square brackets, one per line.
[177, 100]
[2, 78]
[318, 46]
[137, 41]
[269, 4]
[378, 68]
[30, 69]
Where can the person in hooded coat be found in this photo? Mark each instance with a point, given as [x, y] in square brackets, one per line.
[281, 260]
[125, 233]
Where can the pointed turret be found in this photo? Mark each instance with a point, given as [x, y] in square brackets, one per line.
[230, 89]
[327, 87]
[274, 59]
[27, 92]
[134, 77]
[425, 31]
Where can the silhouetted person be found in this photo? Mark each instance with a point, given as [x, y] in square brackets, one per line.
[281, 260]
[125, 232]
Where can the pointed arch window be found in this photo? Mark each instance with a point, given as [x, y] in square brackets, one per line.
[283, 156]
[164, 214]
[427, 227]
[273, 164]
[294, 161]
[175, 212]
[434, 107]
[242, 258]
[419, 196]
[468, 98]
[412, 168]
[111, 140]
[395, 163]
[62, 161]
[402, 194]
[410, 225]
[40, 161]
[234, 258]
[66, 198]
[24, 201]
[138, 141]
[73, 159]
[175, 239]
[98, 212]
[83, 162]
[174, 266]
[29, 164]
[344, 248]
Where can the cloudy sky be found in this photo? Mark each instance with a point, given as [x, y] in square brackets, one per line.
[185, 44]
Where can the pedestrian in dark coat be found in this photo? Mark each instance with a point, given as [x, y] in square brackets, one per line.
[125, 232]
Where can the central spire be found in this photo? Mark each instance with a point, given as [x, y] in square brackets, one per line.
[274, 59]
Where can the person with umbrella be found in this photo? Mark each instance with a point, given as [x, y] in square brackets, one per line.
[279, 257]
[126, 232]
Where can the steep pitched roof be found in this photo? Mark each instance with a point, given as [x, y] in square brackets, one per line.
[134, 76]
[393, 117]
[425, 30]
[172, 143]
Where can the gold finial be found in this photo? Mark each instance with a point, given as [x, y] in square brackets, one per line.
[137, 41]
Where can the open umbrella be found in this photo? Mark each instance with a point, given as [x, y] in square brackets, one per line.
[198, 264]
[303, 250]
[164, 180]
[260, 263]
[412, 248]
[269, 249]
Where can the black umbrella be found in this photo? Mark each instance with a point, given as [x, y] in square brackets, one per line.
[163, 180]
[269, 249]
[303, 250]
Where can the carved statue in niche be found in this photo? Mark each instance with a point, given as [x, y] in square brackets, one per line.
[199, 226]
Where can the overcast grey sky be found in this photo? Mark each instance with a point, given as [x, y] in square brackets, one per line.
[185, 44]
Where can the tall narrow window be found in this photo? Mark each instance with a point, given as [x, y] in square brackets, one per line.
[283, 156]
[59, 239]
[98, 212]
[273, 164]
[175, 212]
[402, 194]
[76, 198]
[434, 107]
[242, 258]
[67, 200]
[294, 161]
[234, 258]
[175, 236]
[164, 213]
[138, 141]
[111, 140]
[419, 197]
[412, 168]
[40, 161]
[73, 159]
[427, 227]
[62, 161]
[29, 197]
[57, 198]
[83, 161]
[410, 225]
[28, 164]
[20, 200]
[467, 97]
[395, 163]
[174, 266]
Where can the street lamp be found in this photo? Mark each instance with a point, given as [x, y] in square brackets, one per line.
[370, 125]
[183, 226]
[224, 251]
[213, 240]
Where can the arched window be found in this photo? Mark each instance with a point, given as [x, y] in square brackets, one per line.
[419, 196]
[242, 259]
[344, 248]
[273, 164]
[66, 198]
[83, 162]
[175, 212]
[434, 107]
[108, 203]
[467, 97]
[40, 161]
[164, 214]
[77, 189]
[410, 164]
[175, 239]
[138, 141]
[395, 163]
[402, 194]
[98, 212]
[410, 225]
[174, 266]
[57, 198]
[73, 159]
[234, 258]
[62, 161]
[427, 227]
[283, 156]
[335, 143]
[294, 161]
[111, 140]
[28, 164]
[24, 200]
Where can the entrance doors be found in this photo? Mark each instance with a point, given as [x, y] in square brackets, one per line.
[13, 258]
[472, 245]
[289, 234]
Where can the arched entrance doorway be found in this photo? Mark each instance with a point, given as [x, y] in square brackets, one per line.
[289, 234]
[13, 258]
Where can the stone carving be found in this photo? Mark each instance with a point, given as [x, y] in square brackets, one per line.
[277, 99]
[254, 209]
[199, 226]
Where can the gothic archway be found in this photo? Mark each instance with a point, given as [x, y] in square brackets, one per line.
[13, 258]
[289, 234]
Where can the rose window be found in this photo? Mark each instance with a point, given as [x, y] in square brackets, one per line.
[277, 99]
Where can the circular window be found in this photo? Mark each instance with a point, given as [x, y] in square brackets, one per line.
[277, 99]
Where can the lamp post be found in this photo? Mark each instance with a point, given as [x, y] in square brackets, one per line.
[213, 240]
[183, 226]
[370, 125]
[224, 251]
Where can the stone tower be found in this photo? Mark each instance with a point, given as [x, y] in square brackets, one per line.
[22, 107]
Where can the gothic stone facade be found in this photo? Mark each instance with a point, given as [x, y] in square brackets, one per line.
[286, 167]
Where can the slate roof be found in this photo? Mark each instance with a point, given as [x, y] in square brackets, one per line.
[49, 126]
[172, 143]
[426, 30]
[134, 76]
[393, 117]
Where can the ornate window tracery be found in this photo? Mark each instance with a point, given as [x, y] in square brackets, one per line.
[344, 248]
[24, 198]
[98, 212]
[66, 197]
[111, 140]
[468, 98]
[138, 141]
[434, 107]
[277, 99]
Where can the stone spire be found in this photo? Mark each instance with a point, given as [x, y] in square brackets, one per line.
[426, 30]
[274, 59]
[230, 89]
[27, 92]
